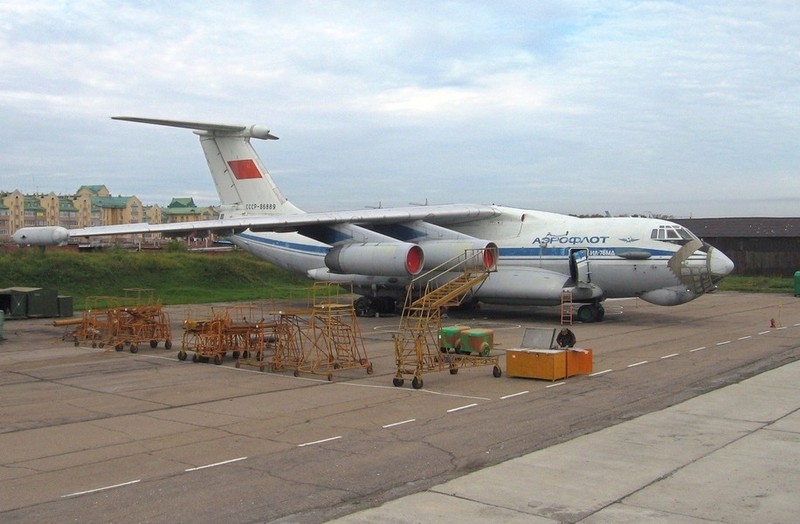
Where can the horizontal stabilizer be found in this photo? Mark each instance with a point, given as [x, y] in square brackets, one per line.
[253, 130]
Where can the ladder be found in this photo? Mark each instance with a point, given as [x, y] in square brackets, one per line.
[566, 307]
[417, 342]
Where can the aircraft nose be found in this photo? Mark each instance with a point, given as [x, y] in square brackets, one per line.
[719, 265]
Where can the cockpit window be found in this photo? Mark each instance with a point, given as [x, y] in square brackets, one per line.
[672, 233]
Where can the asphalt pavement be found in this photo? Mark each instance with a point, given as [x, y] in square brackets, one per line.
[731, 455]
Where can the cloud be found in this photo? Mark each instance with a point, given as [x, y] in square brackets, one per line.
[567, 106]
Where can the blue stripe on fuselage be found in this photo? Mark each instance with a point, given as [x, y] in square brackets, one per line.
[505, 252]
[294, 246]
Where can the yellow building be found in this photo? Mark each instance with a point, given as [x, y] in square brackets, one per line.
[91, 205]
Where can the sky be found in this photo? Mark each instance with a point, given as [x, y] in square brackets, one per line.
[677, 108]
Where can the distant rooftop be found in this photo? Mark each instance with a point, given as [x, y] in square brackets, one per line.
[742, 226]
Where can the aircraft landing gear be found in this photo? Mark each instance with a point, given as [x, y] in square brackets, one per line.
[591, 313]
[369, 306]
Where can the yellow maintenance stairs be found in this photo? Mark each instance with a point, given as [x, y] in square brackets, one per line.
[417, 344]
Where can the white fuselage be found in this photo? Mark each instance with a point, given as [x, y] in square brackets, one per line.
[535, 258]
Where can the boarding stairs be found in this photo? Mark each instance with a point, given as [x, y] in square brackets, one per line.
[417, 347]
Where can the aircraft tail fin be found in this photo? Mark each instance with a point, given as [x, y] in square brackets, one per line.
[243, 183]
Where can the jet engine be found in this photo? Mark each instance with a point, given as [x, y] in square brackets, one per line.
[41, 236]
[398, 259]
[480, 254]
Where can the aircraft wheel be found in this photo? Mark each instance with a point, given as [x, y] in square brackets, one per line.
[364, 307]
[591, 313]
[397, 382]
[497, 372]
[416, 383]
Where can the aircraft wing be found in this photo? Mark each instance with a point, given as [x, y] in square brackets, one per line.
[437, 214]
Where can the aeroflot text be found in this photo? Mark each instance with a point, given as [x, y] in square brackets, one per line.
[569, 240]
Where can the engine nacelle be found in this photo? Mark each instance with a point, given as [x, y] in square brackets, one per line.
[480, 254]
[41, 236]
[390, 259]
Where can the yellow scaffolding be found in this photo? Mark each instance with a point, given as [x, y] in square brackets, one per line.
[417, 344]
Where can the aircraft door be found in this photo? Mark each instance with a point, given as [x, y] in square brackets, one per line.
[579, 266]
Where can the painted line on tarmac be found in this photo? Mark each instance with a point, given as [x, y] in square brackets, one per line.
[638, 364]
[394, 424]
[215, 464]
[764, 332]
[670, 356]
[104, 488]
[555, 385]
[697, 349]
[514, 395]
[462, 407]
[745, 338]
[598, 373]
[318, 441]
[723, 343]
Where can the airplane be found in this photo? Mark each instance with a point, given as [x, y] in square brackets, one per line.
[535, 255]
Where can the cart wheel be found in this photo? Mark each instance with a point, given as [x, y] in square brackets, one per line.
[330, 377]
[261, 367]
[370, 370]
[237, 365]
[218, 359]
[101, 344]
[119, 347]
[397, 381]
[245, 354]
[296, 373]
[416, 383]
[195, 358]
[154, 344]
[454, 371]
[94, 344]
[486, 349]
[77, 343]
[167, 344]
[182, 355]
[134, 348]
[497, 372]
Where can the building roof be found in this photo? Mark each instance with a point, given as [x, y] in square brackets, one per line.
[182, 202]
[742, 227]
[110, 202]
